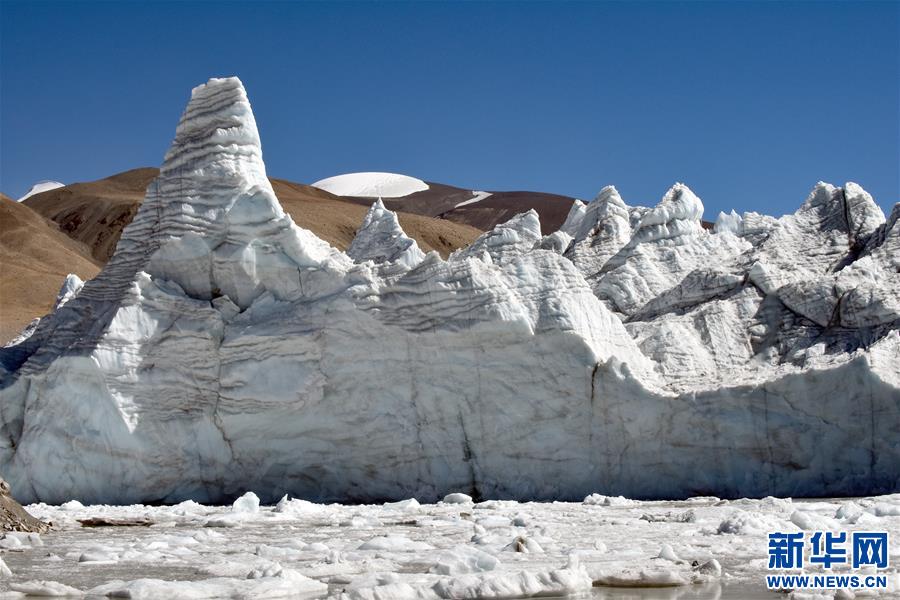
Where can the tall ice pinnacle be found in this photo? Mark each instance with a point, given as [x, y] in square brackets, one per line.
[381, 239]
[603, 230]
[678, 213]
[217, 226]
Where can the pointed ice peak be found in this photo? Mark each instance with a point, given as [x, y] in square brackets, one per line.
[678, 213]
[218, 123]
[211, 222]
[679, 204]
[863, 215]
[213, 181]
[887, 236]
[378, 212]
[380, 239]
[607, 205]
[728, 222]
[507, 240]
[527, 223]
[821, 194]
[850, 209]
[824, 202]
[573, 219]
[604, 229]
[609, 194]
[70, 288]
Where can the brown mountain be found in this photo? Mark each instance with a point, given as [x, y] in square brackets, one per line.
[35, 257]
[442, 201]
[95, 213]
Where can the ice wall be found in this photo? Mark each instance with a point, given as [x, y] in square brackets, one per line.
[225, 349]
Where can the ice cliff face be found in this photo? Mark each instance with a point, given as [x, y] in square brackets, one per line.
[224, 349]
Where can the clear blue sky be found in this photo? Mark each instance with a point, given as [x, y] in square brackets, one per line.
[748, 103]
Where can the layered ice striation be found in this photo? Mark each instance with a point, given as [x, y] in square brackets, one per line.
[507, 241]
[224, 349]
[381, 239]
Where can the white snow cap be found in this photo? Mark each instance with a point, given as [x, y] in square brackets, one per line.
[372, 185]
[41, 186]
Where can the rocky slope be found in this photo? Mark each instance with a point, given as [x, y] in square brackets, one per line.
[15, 518]
[223, 348]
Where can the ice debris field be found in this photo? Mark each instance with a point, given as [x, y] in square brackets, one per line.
[603, 547]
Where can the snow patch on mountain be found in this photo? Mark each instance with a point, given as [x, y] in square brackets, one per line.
[372, 185]
[41, 186]
[478, 197]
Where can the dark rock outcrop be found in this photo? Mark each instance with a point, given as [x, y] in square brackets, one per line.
[15, 518]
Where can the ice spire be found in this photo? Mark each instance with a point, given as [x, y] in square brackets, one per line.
[212, 215]
[602, 231]
[382, 240]
[678, 213]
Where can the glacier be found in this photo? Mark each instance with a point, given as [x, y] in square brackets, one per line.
[632, 353]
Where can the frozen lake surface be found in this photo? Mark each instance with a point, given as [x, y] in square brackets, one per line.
[602, 548]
